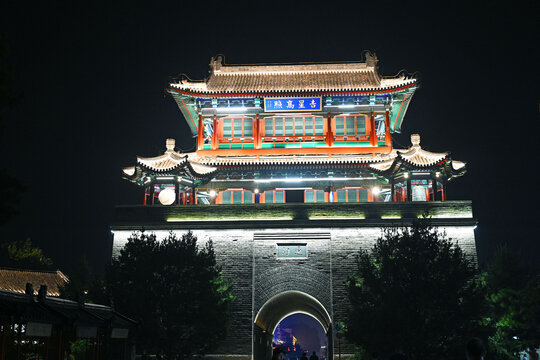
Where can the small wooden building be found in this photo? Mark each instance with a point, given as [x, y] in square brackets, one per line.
[44, 327]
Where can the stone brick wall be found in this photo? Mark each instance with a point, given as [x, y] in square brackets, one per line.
[346, 243]
[251, 263]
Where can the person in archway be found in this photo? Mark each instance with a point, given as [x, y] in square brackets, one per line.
[314, 356]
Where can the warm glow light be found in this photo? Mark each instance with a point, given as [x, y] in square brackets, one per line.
[376, 190]
[437, 174]
[406, 175]
[256, 191]
[167, 197]
[212, 193]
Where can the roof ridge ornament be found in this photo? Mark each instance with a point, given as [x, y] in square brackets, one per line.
[216, 63]
[169, 144]
[415, 140]
[371, 58]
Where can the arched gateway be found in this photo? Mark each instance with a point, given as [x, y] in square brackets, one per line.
[279, 307]
[294, 173]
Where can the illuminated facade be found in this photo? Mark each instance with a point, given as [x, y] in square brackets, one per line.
[294, 172]
[294, 133]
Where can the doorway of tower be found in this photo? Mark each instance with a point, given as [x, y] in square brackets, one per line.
[298, 337]
[292, 322]
[294, 196]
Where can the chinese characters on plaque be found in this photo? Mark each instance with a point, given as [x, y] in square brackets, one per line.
[292, 251]
[293, 104]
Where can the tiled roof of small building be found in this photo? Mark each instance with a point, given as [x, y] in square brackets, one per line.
[415, 155]
[15, 280]
[263, 79]
[63, 312]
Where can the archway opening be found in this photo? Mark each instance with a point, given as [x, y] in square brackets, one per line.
[300, 334]
[280, 307]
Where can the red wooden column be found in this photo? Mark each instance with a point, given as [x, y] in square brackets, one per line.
[329, 133]
[200, 134]
[256, 132]
[444, 192]
[373, 136]
[214, 145]
[387, 135]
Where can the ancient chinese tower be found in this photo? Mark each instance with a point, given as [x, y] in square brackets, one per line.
[294, 172]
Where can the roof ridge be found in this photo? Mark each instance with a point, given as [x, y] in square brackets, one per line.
[30, 270]
[293, 69]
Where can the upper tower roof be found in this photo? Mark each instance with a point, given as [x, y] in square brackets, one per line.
[346, 77]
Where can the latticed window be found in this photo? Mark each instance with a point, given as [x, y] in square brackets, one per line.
[294, 126]
[352, 195]
[350, 125]
[248, 197]
[274, 197]
[319, 126]
[298, 125]
[237, 127]
[236, 197]
[312, 196]
[268, 197]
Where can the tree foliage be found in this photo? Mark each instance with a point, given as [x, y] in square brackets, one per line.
[414, 293]
[514, 296]
[176, 291]
[22, 254]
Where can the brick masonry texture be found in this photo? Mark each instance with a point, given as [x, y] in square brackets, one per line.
[257, 275]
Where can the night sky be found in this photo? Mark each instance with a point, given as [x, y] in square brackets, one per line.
[92, 80]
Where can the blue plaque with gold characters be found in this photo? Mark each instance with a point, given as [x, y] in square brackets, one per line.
[293, 104]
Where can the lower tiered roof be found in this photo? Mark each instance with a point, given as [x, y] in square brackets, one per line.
[204, 168]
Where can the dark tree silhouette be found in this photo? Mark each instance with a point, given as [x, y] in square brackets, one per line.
[83, 282]
[415, 293]
[176, 291]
